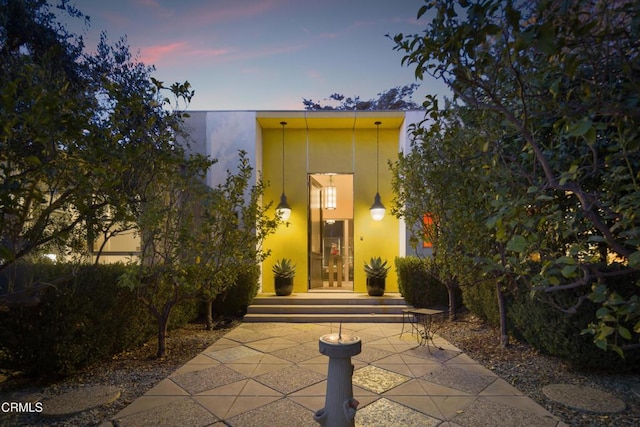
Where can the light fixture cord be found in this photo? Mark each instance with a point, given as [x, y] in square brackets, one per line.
[283, 124]
[377, 157]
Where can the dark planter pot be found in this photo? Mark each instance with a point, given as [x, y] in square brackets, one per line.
[375, 287]
[284, 286]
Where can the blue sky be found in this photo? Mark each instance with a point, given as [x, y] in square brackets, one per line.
[264, 54]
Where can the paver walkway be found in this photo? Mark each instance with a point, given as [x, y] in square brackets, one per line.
[273, 374]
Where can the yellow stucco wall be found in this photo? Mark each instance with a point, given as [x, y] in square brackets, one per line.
[324, 150]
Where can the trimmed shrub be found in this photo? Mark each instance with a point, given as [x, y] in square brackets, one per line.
[481, 299]
[554, 332]
[419, 284]
[83, 319]
[235, 300]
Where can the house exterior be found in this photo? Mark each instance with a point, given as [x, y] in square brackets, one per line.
[304, 154]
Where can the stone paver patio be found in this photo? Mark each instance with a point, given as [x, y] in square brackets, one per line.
[273, 374]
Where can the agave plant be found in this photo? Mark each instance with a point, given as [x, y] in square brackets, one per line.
[284, 268]
[376, 268]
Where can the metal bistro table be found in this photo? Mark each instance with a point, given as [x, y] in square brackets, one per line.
[423, 323]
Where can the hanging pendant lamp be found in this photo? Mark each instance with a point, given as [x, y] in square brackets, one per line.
[283, 210]
[331, 195]
[377, 210]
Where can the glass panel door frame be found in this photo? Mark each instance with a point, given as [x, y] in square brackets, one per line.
[330, 234]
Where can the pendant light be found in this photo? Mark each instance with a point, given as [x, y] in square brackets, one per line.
[331, 195]
[377, 210]
[283, 210]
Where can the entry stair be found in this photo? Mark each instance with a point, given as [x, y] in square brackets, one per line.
[325, 306]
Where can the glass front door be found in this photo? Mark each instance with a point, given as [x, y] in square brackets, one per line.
[331, 232]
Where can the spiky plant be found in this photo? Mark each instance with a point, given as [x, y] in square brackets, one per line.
[376, 268]
[284, 268]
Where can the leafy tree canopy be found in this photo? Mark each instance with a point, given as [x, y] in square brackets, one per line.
[397, 98]
[547, 105]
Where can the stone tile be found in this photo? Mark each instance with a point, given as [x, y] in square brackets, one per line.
[231, 406]
[459, 379]
[419, 370]
[420, 403]
[313, 403]
[271, 344]
[485, 412]
[450, 406]
[371, 354]
[254, 370]
[584, 398]
[432, 354]
[145, 403]
[433, 389]
[384, 413]
[217, 405]
[183, 412]
[222, 343]
[377, 380]
[401, 369]
[321, 368]
[202, 359]
[207, 379]
[245, 336]
[409, 388]
[283, 412]
[166, 388]
[500, 388]
[290, 379]
[230, 354]
[281, 330]
[364, 396]
[298, 354]
[303, 337]
[317, 389]
[232, 389]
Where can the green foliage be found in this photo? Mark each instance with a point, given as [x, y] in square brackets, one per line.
[284, 268]
[376, 268]
[80, 134]
[234, 301]
[481, 300]
[419, 282]
[397, 98]
[544, 122]
[82, 319]
[551, 331]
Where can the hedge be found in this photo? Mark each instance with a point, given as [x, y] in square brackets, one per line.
[419, 284]
[81, 320]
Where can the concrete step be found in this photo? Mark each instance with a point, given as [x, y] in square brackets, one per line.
[326, 298]
[323, 318]
[326, 307]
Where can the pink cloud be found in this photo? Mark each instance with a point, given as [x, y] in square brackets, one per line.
[154, 54]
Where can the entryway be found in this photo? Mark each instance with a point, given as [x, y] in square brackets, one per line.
[330, 232]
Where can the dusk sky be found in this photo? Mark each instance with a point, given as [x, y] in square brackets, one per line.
[264, 54]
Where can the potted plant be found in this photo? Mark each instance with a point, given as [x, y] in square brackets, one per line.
[283, 272]
[376, 271]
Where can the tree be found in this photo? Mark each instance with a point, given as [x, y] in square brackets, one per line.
[44, 111]
[558, 83]
[233, 228]
[195, 238]
[397, 98]
[167, 221]
[80, 134]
